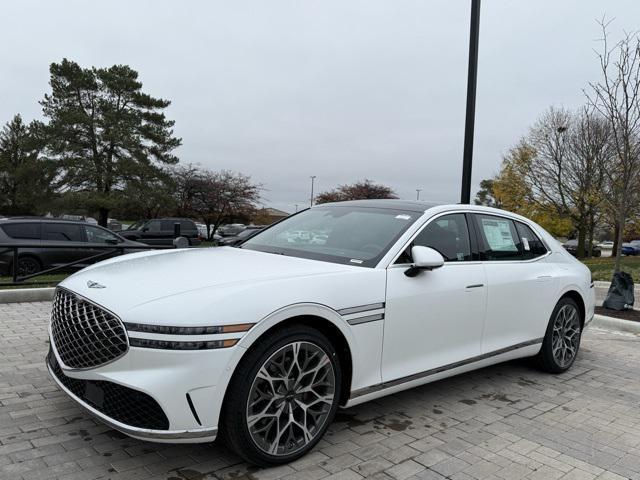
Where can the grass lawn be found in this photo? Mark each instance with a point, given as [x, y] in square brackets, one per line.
[602, 268]
[42, 281]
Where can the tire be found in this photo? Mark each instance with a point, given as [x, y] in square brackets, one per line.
[562, 337]
[251, 395]
[28, 265]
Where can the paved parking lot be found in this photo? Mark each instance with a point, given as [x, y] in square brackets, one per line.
[505, 422]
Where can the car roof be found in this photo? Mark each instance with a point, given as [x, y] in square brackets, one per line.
[45, 220]
[409, 205]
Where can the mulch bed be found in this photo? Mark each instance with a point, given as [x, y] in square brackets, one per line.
[633, 315]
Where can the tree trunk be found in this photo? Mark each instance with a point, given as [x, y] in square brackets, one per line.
[592, 227]
[614, 250]
[582, 233]
[103, 217]
[621, 221]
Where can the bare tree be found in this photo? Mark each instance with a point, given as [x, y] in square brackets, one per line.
[617, 98]
[222, 195]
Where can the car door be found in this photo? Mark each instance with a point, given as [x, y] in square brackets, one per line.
[152, 232]
[521, 284]
[435, 318]
[64, 238]
[101, 237]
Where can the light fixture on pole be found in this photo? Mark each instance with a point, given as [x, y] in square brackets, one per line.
[313, 178]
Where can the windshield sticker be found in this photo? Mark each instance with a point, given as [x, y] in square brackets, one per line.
[404, 217]
[353, 260]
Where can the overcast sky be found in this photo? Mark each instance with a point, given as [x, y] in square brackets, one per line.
[341, 89]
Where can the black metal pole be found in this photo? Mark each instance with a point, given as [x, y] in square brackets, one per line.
[472, 79]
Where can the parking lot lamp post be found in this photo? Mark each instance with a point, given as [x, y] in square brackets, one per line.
[313, 178]
[418, 190]
[472, 78]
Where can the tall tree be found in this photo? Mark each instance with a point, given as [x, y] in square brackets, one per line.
[213, 197]
[617, 98]
[104, 130]
[356, 191]
[566, 171]
[485, 195]
[25, 177]
[514, 193]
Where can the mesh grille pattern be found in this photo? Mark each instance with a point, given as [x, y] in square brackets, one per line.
[118, 402]
[84, 335]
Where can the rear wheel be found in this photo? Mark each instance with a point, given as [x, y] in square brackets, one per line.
[28, 266]
[562, 339]
[283, 398]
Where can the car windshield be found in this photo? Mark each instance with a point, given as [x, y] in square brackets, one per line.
[340, 234]
[136, 226]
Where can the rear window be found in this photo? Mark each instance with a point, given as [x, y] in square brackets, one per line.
[532, 246]
[23, 231]
[64, 232]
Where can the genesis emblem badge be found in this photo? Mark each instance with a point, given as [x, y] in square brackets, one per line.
[92, 284]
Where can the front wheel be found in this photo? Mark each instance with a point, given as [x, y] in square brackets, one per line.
[562, 339]
[283, 397]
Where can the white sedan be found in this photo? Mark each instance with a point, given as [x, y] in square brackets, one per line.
[263, 343]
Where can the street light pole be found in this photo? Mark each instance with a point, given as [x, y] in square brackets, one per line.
[472, 80]
[418, 190]
[313, 178]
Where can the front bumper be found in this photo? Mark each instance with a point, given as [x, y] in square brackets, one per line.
[198, 434]
[181, 383]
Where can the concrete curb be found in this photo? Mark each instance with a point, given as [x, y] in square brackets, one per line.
[22, 295]
[611, 323]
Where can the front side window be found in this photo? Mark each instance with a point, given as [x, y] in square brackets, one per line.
[63, 232]
[153, 226]
[448, 235]
[99, 235]
[532, 246]
[499, 239]
[23, 231]
[341, 234]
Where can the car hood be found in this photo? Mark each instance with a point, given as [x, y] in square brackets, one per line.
[128, 281]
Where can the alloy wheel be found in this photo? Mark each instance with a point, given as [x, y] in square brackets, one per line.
[566, 335]
[291, 398]
[27, 266]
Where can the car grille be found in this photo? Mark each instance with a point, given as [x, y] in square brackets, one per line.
[118, 402]
[85, 335]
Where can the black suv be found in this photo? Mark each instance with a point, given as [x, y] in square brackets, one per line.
[160, 231]
[61, 233]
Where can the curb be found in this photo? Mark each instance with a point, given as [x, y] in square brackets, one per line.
[21, 295]
[611, 323]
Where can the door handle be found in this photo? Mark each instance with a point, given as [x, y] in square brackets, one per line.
[475, 285]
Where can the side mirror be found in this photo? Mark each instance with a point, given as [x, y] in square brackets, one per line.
[111, 241]
[144, 229]
[424, 258]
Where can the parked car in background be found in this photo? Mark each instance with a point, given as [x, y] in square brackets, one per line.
[114, 225]
[606, 245]
[630, 249]
[160, 231]
[571, 246]
[263, 343]
[60, 233]
[236, 240]
[231, 229]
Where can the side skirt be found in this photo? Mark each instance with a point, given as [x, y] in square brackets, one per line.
[356, 394]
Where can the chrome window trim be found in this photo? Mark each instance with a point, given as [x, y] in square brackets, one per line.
[392, 263]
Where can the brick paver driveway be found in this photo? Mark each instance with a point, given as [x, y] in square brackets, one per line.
[504, 422]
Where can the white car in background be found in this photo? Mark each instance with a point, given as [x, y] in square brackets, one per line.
[264, 342]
